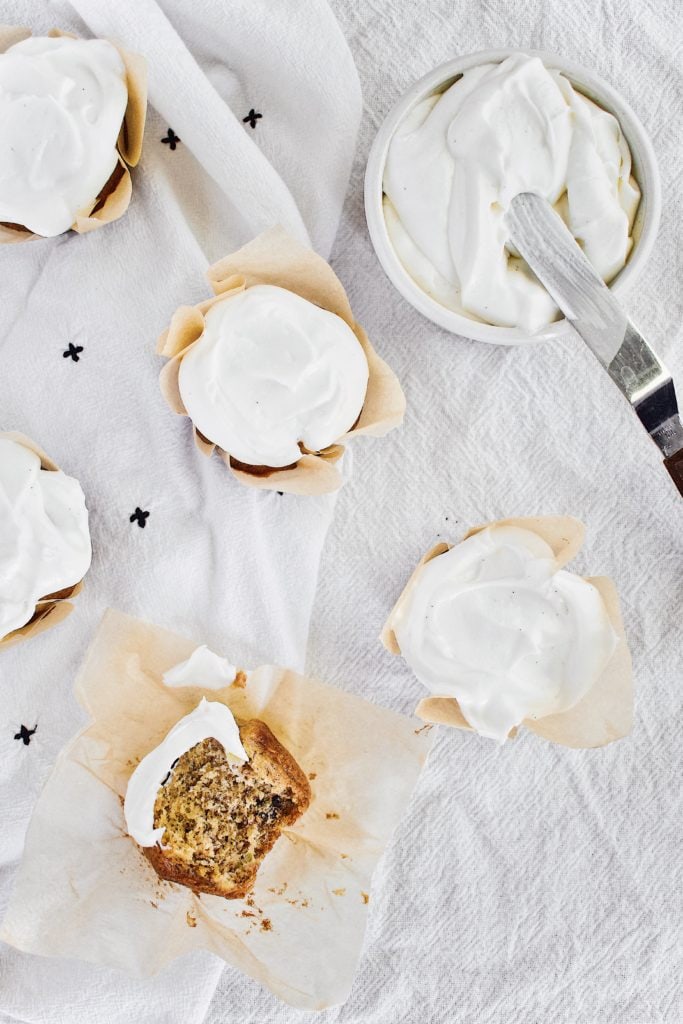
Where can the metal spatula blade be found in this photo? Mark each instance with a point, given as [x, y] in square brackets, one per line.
[546, 244]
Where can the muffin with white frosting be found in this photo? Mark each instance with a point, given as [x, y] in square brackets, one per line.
[274, 372]
[72, 115]
[502, 635]
[45, 548]
[211, 800]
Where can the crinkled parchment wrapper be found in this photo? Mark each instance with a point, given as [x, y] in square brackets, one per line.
[53, 608]
[275, 258]
[129, 145]
[85, 890]
[605, 713]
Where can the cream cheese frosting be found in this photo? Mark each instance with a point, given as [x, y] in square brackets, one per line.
[203, 668]
[44, 535]
[210, 719]
[493, 623]
[272, 370]
[62, 103]
[459, 158]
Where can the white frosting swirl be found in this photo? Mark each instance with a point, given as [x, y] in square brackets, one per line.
[209, 719]
[62, 103]
[460, 157]
[44, 536]
[203, 668]
[494, 624]
[270, 370]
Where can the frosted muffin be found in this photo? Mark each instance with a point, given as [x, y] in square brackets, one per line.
[211, 800]
[274, 372]
[272, 376]
[502, 635]
[45, 548]
[71, 120]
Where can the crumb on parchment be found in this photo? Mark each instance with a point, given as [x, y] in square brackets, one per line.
[279, 890]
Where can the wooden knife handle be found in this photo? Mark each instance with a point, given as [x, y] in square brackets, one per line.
[674, 464]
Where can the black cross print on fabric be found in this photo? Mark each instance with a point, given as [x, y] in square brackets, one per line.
[140, 518]
[171, 139]
[252, 117]
[73, 351]
[25, 734]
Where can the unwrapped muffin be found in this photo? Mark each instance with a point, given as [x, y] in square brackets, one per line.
[210, 801]
[85, 890]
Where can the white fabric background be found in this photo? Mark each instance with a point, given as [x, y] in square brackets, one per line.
[528, 884]
[226, 565]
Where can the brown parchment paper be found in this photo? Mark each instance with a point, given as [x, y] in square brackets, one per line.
[115, 197]
[605, 713]
[276, 258]
[53, 608]
[85, 890]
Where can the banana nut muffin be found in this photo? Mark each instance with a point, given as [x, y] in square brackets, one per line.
[221, 818]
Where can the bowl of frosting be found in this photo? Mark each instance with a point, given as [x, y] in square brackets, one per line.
[462, 143]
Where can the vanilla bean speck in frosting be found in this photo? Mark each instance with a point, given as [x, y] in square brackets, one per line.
[62, 103]
[493, 623]
[44, 535]
[272, 370]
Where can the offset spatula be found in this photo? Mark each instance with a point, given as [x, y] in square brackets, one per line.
[546, 244]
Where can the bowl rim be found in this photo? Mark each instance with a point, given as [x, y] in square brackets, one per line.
[645, 166]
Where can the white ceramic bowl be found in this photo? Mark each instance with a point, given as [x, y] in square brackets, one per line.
[644, 170]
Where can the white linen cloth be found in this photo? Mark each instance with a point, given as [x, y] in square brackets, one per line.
[222, 564]
[528, 884]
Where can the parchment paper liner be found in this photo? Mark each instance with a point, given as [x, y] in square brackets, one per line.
[129, 145]
[53, 608]
[85, 890]
[275, 258]
[605, 713]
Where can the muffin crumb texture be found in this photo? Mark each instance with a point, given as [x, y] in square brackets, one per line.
[221, 818]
